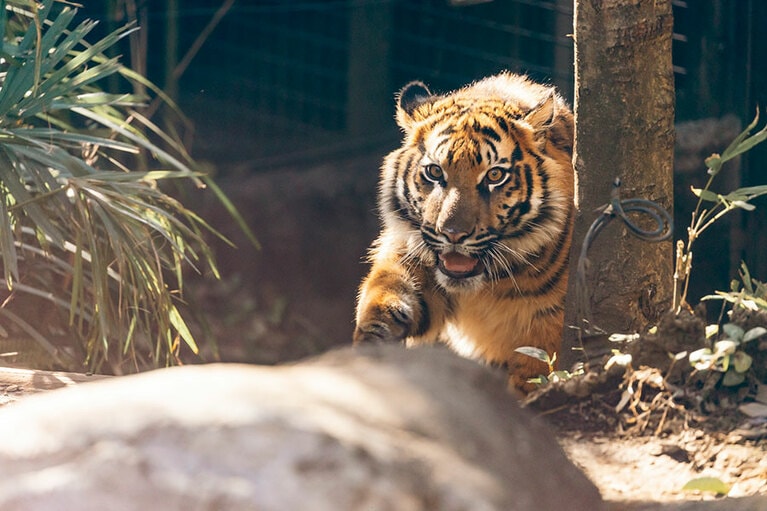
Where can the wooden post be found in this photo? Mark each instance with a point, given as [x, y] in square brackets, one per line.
[624, 111]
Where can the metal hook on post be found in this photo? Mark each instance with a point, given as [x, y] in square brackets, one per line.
[619, 208]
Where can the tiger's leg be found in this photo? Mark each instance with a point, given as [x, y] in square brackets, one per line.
[393, 306]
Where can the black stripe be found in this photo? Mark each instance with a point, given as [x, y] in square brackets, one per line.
[542, 290]
[425, 321]
[490, 132]
[494, 150]
[530, 186]
[408, 203]
[440, 144]
[550, 283]
[521, 208]
[516, 154]
[502, 124]
[545, 213]
[449, 130]
[563, 237]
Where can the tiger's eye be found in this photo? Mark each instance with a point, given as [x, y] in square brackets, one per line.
[495, 176]
[433, 173]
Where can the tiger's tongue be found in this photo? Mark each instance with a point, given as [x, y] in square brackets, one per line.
[458, 263]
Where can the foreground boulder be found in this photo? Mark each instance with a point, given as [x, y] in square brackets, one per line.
[378, 429]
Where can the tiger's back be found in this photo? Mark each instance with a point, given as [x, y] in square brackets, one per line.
[477, 213]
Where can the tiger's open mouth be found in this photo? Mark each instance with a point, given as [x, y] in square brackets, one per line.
[459, 266]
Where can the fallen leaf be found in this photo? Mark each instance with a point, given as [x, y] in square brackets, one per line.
[707, 484]
[753, 409]
[761, 393]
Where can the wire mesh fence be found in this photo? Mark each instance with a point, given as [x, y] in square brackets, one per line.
[282, 76]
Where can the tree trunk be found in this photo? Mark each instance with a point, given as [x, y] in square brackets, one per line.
[624, 110]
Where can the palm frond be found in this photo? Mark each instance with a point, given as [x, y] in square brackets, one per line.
[114, 244]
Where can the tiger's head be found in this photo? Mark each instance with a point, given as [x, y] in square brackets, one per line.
[482, 187]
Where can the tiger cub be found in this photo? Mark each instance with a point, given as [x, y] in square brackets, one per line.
[477, 212]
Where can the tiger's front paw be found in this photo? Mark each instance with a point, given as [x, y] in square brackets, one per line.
[386, 321]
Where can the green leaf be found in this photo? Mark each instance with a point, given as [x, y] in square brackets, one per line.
[12, 181]
[180, 325]
[743, 205]
[733, 331]
[7, 242]
[706, 195]
[733, 378]
[754, 333]
[3, 21]
[741, 361]
[746, 145]
[707, 484]
[745, 276]
[750, 191]
[560, 376]
[700, 355]
[740, 197]
[730, 152]
[232, 210]
[534, 352]
[71, 199]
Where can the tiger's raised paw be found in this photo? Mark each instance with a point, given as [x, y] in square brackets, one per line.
[388, 322]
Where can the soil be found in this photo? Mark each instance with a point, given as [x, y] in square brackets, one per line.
[646, 452]
[647, 427]
[630, 465]
[640, 431]
[649, 450]
[658, 442]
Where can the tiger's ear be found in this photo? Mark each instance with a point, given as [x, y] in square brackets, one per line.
[409, 99]
[541, 117]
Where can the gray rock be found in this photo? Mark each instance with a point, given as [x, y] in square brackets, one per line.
[370, 429]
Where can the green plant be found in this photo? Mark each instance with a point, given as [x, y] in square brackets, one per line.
[720, 205]
[552, 375]
[77, 228]
[747, 292]
[727, 355]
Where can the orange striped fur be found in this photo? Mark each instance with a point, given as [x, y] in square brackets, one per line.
[477, 213]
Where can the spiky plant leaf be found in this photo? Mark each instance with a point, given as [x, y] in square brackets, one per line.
[71, 204]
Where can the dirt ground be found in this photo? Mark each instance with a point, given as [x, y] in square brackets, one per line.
[649, 467]
[630, 459]
[646, 452]
[645, 431]
[640, 434]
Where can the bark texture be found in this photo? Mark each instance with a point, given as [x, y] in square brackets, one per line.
[624, 108]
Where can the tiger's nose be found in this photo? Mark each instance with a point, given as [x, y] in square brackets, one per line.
[454, 235]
